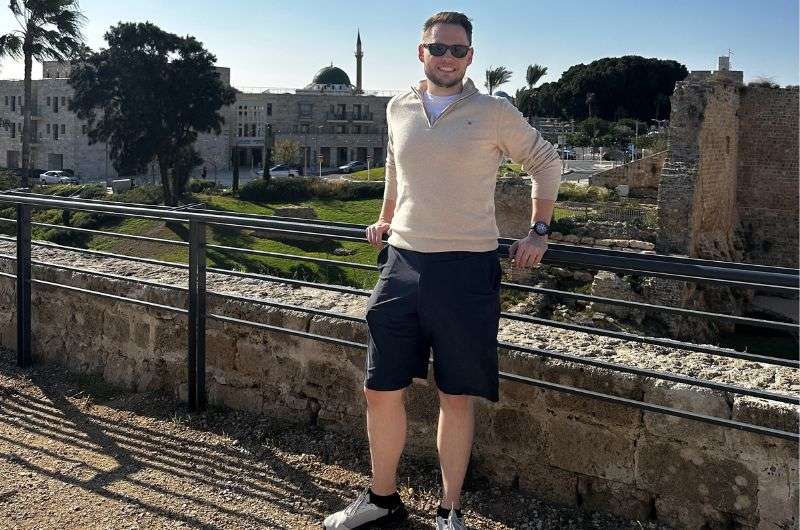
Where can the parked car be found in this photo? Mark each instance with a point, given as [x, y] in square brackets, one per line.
[281, 170]
[58, 177]
[353, 166]
[566, 154]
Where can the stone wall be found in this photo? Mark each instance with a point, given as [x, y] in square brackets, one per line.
[697, 192]
[641, 176]
[767, 187]
[558, 446]
[729, 187]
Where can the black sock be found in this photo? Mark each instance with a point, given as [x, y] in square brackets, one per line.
[444, 513]
[384, 501]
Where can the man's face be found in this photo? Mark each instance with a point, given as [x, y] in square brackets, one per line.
[445, 71]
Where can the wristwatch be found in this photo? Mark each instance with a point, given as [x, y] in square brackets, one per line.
[541, 228]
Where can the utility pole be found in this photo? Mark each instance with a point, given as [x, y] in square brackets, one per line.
[269, 139]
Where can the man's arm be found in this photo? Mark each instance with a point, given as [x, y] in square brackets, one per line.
[524, 144]
[376, 230]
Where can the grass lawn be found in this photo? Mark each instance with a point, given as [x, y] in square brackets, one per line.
[375, 173]
[355, 211]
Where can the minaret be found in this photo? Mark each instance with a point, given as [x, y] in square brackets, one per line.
[359, 56]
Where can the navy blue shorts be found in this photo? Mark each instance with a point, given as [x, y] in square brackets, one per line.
[448, 302]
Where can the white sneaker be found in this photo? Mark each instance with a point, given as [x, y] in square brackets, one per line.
[362, 514]
[453, 522]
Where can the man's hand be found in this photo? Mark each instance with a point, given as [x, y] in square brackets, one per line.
[375, 233]
[528, 252]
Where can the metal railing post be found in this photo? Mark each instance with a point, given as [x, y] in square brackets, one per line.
[196, 358]
[23, 285]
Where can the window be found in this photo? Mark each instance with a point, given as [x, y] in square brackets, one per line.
[48, 101]
[13, 130]
[269, 109]
[306, 110]
[55, 104]
[55, 131]
[63, 101]
[63, 128]
[341, 128]
[253, 129]
[303, 127]
[83, 129]
[356, 129]
[240, 130]
[47, 74]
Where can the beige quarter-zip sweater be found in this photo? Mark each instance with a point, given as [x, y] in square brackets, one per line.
[442, 175]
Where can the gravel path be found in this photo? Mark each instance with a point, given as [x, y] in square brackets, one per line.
[75, 453]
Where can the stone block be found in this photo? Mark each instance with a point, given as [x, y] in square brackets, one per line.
[220, 349]
[772, 414]
[689, 398]
[252, 358]
[682, 472]
[641, 245]
[590, 450]
[141, 334]
[596, 494]
[247, 399]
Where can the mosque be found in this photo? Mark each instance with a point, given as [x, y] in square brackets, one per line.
[331, 120]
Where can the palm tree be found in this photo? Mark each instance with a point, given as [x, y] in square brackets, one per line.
[49, 30]
[590, 99]
[496, 77]
[534, 74]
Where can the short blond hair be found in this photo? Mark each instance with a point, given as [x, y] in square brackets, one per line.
[449, 17]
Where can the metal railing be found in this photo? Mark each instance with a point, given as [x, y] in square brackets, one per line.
[747, 276]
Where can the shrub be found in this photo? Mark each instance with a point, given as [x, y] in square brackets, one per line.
[8, 180]
[293, 189]
[564, 225]
[147, 194]
[570, 191]
[200, 186]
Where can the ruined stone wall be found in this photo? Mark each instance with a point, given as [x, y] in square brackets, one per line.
[697, 190]
[561, 447]
[729, 187]
[714, 213]
[767, 192]
[642, 176]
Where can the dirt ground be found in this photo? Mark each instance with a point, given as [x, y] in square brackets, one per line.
[76, 453]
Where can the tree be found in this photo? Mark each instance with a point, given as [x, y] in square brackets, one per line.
[49, 30]
[523, 100]
[149, 95]
[534, 73]
[496, 77]
[287, 151]
[629, 86]
[590, 99]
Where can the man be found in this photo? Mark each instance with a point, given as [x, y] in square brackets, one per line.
[439, 286]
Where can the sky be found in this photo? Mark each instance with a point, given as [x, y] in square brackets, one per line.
[269, 43]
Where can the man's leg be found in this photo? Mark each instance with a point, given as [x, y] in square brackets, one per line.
[454, 442]
[386, 427]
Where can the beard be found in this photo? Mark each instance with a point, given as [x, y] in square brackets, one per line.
[430, 73]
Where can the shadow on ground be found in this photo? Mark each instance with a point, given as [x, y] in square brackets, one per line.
[77, 453]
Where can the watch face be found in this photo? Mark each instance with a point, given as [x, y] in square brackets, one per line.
[541, 228]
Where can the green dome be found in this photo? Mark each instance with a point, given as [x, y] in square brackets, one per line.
[330, 75]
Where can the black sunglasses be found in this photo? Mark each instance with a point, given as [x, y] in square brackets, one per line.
[459, 51]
